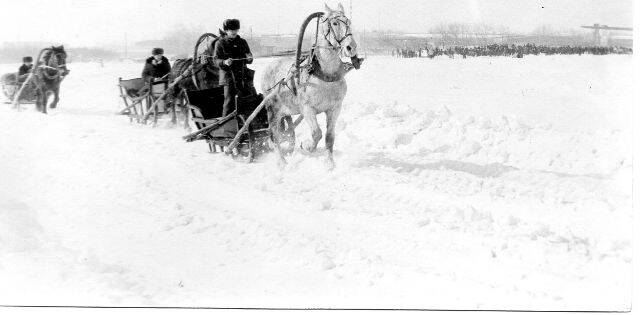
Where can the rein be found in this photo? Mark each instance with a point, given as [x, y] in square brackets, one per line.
[314, 67]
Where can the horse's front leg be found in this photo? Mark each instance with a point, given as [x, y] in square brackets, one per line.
[174, 116]
[38, 101]
[186, 112]
[309, 115]
[41, 102]
[332, 119]
[56, 98]
[184, 108]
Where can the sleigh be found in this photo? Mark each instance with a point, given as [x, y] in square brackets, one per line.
[246, 131]
[219, 131]
[11, 86]
[142, 99]
[42, 82]
[167, 94]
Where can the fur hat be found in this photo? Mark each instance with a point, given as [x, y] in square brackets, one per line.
[231, 24]
[157, 51]
[27, 59]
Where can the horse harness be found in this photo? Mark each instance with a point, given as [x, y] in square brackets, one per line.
[58, 73]
[312, 66]
[332, 31]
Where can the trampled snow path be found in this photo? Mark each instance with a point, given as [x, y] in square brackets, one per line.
[429, 207]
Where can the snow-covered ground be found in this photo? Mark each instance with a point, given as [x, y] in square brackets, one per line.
[490, 183]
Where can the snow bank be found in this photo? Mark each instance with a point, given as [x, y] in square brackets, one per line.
[398, 129]
[446, 194]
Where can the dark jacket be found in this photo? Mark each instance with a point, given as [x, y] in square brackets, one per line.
[235, 48]
[24, 69]
[155, 71]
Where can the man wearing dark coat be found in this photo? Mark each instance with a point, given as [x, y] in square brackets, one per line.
[231, 55]
[25, 68]
[156, 66]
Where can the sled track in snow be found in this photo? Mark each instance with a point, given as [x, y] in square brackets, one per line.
[421, 204]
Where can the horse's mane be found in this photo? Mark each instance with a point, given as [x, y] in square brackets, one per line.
[58, 48]
[50, 51]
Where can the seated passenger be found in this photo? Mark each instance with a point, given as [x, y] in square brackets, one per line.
[25, 68]
[156, 66]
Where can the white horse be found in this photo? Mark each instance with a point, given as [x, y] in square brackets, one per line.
[321, 87]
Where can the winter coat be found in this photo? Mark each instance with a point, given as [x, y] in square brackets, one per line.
[158, 70]
[24, 69]
[235, 48]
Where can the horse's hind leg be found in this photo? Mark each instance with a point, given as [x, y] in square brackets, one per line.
[316, 134]
[274, 128]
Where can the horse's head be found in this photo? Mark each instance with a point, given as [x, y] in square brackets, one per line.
[56, 58]
[336, 29]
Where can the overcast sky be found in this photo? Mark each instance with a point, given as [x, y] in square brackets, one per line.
[93, 22]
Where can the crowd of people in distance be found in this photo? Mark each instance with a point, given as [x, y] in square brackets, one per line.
[513, 50]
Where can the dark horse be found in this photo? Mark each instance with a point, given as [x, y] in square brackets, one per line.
[48, 72]
[206, 75]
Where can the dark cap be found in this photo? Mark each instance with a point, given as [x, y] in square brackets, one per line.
[157, 51]
[27, 59]
[231, 24]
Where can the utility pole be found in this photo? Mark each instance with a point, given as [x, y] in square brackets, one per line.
[125, 45]
[597, 38]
